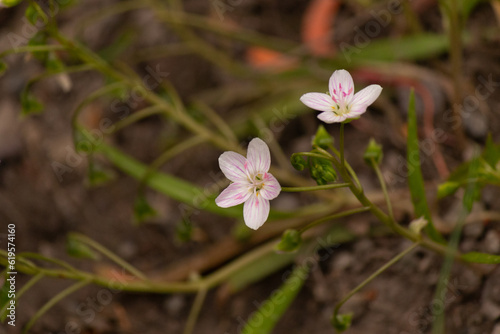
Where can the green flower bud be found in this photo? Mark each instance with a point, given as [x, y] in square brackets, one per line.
[322, 138]
[78, 249]
[298, 162]
[342, 322]
[373, 152]
[322, 171]
[447, 188]
[142, 210]
[290, 241]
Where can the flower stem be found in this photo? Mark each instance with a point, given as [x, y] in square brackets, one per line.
[110, 255]
[376, 167]
[372, 276]
[57, 298]
[313, 188]
[195, 311]
[331, 217]
[341, 144]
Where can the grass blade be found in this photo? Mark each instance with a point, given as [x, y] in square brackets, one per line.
[265, 318]
[415, 179]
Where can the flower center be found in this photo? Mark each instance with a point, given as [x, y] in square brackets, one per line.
[258, 182]
[340, 109]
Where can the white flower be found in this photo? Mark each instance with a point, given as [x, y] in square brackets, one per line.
[342, 104]
[252, 184]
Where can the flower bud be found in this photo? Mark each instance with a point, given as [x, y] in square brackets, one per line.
[373, 153]
[447, 188]
[298, 162]
[342, 322]
[322, 138]
[322, 171]
[290, 241]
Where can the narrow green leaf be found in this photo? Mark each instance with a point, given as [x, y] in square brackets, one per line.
[98, 175]
[270, 311]
[438, 325]
[173, 187]
[491, 152]
[10, 3]
[76, 248]
[415, 179]
[270, 262]
[30, 105]
[142, 210]
[184, 230]
[410, 47]
[290, 241]
[477, 257]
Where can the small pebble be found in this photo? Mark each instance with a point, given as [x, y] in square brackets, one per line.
[496, 329]
[492, 242]
[343, 261]
[473, 231]
[174, 304]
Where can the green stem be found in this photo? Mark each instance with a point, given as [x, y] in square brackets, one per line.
[25, 288]
[332, 217]
[135, 117]
[314, 188]
[347, 165]
[37, 256]
[182, 147]
[313, 155]
[110, 255]
[57, 298]
[195, 311]
[217, 120]
[32, 48]
[341, 144]
[371, 277]
[376, 167]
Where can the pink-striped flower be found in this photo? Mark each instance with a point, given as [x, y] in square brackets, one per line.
[342, 104]
[252, 184]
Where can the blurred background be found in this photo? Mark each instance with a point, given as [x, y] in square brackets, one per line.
[239, 67]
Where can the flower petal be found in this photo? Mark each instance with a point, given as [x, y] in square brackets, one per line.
[234, 194]
[256, 211]
[341, 87]
[258, 156]
[329, 117]
[318, 101]
[270, 188]
[232, 165]
[364, 98]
